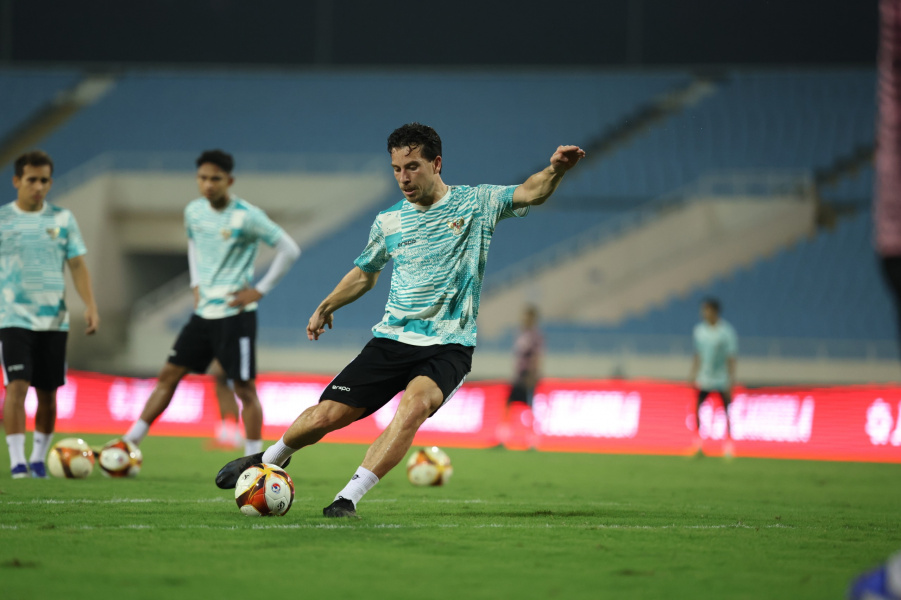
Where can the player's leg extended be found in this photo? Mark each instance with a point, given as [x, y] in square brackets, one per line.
[252, 414]
[728, 450]
[421, 398]
[158, 401]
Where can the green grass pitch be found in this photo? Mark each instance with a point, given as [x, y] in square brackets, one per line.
[509, 525]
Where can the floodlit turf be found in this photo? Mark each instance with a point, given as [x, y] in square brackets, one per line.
[509, 525]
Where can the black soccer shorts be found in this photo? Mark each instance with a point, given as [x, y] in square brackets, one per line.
[231, 340]
[38, 357]
[385, 367]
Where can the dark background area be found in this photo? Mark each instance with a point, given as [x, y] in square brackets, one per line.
[457, 33]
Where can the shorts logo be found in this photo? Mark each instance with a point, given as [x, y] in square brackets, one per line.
[341, 388]
[53, 232]
[456, 225]
[12, 368]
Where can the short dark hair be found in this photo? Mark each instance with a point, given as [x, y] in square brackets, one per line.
[712, 303]
[416, 135]
[220, 158]
[34, 158]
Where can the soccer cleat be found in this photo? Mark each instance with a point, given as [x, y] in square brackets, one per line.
[228, 475]
[342, 507]
[38, 470]
[20, 471]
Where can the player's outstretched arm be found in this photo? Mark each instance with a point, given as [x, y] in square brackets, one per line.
[82, 280]
[353, 285]
[539, 187]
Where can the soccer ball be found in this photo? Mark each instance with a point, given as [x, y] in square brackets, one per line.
[120, 458]
[70, 458]
[429, 466]
[264, 490]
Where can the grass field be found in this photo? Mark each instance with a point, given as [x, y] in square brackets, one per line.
[509, 525]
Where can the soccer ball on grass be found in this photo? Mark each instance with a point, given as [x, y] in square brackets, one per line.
[429, 466]
[120, 458]
[264, 490]
[70, 458]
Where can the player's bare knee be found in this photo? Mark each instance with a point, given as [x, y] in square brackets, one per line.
[246, 392]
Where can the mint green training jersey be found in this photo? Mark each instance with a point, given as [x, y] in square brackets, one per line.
[439, 254]
[34, 248]
[714, 344]
[225, 245]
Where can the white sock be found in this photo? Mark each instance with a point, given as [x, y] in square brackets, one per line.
[278, 453]
[362, 481]
[252, 447]
[40, 446]
[16, 443]
[138, 432]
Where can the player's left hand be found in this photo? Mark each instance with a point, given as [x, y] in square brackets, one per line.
[242, 298]
[566, 157]
[91, 320]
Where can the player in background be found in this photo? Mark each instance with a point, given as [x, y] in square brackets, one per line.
[224, 233]
[37, 241]
[228, 433]
[438, 237]
[713, 368]
[527, 351]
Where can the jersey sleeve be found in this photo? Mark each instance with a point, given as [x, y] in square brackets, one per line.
[261, 227]
[375, 255]
[75, 244]
[732, 342]
[497, 202]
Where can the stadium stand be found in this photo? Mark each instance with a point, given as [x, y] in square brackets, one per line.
[782, 120]
[25, 92]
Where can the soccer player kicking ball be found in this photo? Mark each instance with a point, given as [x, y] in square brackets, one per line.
[224, 233]
[438, 237]
[37, 241]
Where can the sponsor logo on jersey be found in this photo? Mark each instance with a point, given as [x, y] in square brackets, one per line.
[456, 225]
[341, 388]
[226, 233]
[53, 232]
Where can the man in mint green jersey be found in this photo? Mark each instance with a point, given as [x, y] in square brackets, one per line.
[37, 241]
[438, 237]
[224, 233]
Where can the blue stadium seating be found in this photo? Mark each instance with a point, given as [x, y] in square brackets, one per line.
[771, 120]
[826, 288]
[854, 190]
[24, 92]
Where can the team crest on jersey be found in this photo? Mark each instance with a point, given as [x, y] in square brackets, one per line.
[226, 233]
[456, 225]
[53, 232]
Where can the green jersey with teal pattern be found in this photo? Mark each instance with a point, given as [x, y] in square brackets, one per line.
[225, 244]
[34, 248]
[439, 254]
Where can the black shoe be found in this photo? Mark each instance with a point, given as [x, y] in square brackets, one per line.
[342, 507]
[228, 475]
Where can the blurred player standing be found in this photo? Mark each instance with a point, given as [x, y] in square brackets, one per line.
[438, 238]
[37, 241]
[713, 368]
[224, 233]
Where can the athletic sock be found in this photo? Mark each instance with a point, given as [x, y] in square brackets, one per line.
[40, 446]
[362, 481]
[252, 447]
[138, 432]
[16, 443]
[278, 453]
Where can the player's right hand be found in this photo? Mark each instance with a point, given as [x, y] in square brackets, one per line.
[316, 326]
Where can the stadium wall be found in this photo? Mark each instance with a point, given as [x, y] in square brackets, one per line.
[636, 417]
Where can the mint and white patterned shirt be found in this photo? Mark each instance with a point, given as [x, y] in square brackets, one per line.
[225, 244]
[714, 344]
[34, 248]
[439, 254]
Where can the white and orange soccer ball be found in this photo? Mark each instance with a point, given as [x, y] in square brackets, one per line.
[120, 458]
[70, 458]
[429, 466]
[264, 490]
